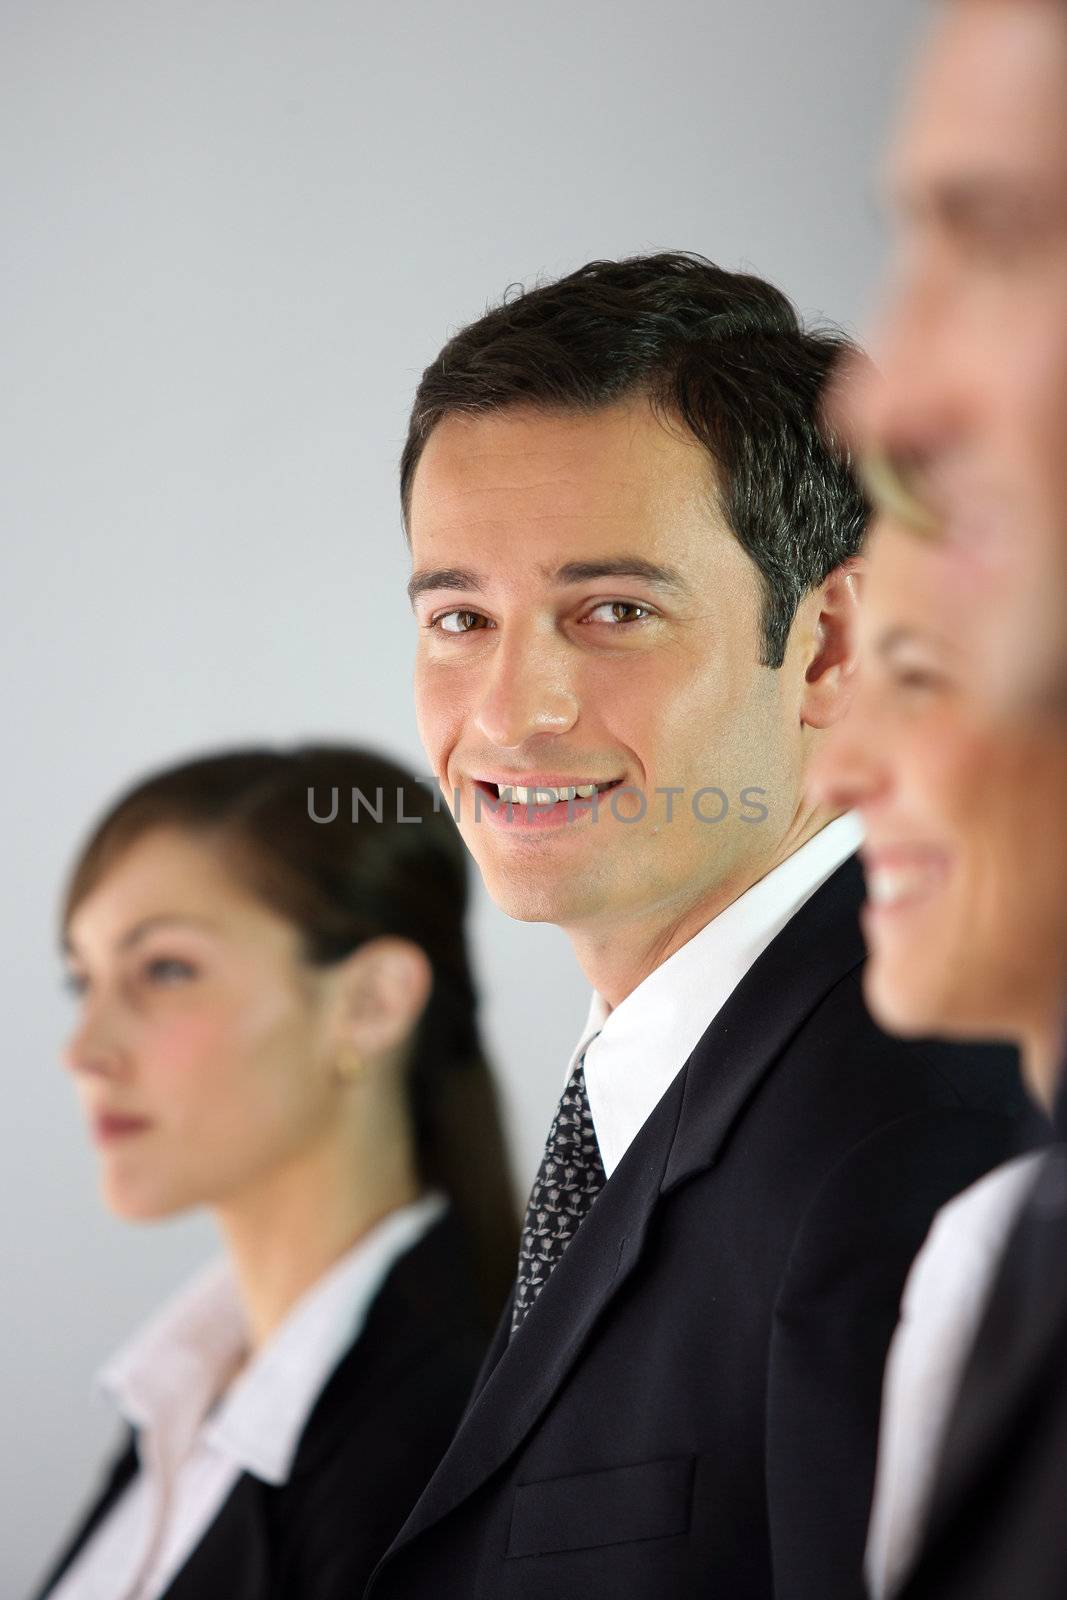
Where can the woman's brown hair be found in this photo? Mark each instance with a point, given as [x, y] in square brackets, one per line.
[348, 846]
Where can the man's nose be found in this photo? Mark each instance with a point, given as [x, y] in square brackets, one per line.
[531, 690]
[907, 403]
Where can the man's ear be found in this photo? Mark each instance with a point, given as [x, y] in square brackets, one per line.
[830, 677]
[381, 992]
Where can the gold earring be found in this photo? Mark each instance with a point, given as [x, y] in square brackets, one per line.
[351, 1067]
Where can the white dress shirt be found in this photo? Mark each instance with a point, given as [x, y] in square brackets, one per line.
[633, 1053]
[198, 1431]
[942, 1305]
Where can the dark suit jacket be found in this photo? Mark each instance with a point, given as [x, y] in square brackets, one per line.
[998, 1521]
[691, 1407]
[375, 1435]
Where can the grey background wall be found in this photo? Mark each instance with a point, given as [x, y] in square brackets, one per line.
[235, 232]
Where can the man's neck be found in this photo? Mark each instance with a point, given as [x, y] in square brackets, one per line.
[616, 956]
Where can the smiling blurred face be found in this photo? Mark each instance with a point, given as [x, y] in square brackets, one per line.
[973, 344]
[966, 853]
[199, 1052]
[588, 620]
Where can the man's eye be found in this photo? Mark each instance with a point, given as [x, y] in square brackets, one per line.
[1006, 236]
[168, 970]
[618, 612]
[458, 621]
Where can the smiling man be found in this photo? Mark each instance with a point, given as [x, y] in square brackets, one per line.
[590, 621]
[634, 573]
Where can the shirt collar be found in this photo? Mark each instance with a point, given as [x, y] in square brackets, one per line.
[170, 1376]
[165, 1379]
[632, 1053]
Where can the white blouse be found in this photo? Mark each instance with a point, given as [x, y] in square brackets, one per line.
[942, 1307]
[200, 1427]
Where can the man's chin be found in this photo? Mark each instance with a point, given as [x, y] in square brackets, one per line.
[530, 904]
[533, 896]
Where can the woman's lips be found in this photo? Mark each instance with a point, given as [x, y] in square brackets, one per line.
[902, 876]
[109, 1126]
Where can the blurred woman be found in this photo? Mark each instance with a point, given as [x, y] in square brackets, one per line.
[966, 928]
[277, 1020]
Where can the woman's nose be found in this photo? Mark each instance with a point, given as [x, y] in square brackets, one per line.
[95, 1047]
[846, 772]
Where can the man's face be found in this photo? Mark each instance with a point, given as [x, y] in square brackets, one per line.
[586, 618]
[973, 344]
[965, 852]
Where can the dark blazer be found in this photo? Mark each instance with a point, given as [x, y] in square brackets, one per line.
[998, 1521]
[375, 1435]
[691, 1407]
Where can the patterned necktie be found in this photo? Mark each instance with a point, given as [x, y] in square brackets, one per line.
[570, 1177]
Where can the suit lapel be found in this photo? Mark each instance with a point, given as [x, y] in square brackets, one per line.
[427, 1292]
[682, 1137]
[119, 1475]
[232, 1560]
[1020, 1343]
[814, 951]
[429, 1297]
[530, 1368]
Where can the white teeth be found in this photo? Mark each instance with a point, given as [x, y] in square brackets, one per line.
[888, 886]
[542, 795]
[881, 887]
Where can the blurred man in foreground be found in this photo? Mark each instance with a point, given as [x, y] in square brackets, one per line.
[966, 432]
[957, 754]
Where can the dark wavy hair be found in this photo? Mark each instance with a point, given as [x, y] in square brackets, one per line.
[724, 353]
[342, 884]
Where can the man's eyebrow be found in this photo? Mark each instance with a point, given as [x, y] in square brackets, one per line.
[963, 198]
[662, 577]
[622, 567]
[139, 930]
[443, 578]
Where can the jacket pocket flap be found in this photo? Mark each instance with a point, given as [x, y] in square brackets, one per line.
[649, 1500]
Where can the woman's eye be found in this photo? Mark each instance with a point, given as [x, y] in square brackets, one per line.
[618, 612]
[168, 970]
[458, 621]
[919, 680]
[75, 983]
